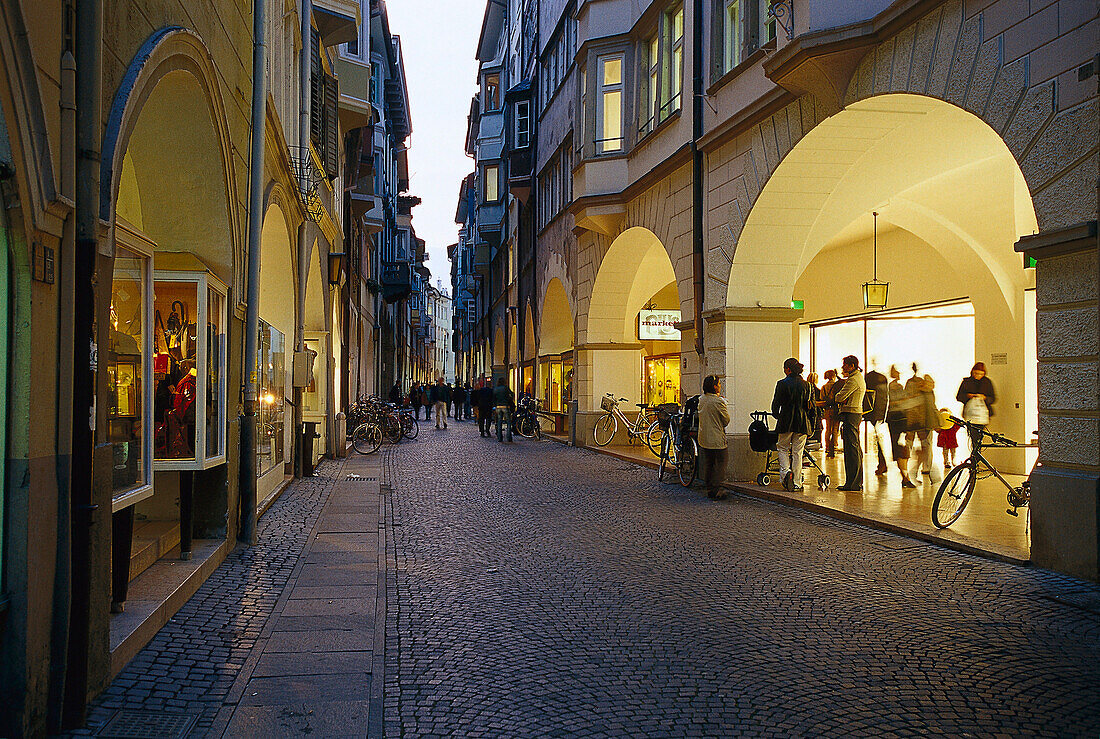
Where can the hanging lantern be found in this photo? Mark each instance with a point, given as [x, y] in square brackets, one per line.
[875, 292]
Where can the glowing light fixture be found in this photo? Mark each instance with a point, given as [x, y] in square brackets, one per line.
[875, 292]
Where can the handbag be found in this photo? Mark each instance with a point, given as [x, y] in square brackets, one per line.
[976, 411]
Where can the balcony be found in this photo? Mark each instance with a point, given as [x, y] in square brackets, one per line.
[490, 218]
[483, 256]
[520, 165]
[397, 281]
[368, 209]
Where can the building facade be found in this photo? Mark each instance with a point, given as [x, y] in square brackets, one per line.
[711, 185]
[441, 314]
[126, 175]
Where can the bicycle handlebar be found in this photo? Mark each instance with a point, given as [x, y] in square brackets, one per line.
[996, 438]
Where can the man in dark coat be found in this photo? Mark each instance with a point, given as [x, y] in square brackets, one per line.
[504, 405]
[485, 408]
[793, 406]
[876, 417]
[458, 399]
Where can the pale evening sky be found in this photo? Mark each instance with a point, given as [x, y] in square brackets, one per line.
[438, 42]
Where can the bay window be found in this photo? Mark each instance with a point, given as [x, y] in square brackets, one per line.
[732, 35]
[609, 102]
[491, 182]
[523, 124]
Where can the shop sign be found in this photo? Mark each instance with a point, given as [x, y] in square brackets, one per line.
[658, 325]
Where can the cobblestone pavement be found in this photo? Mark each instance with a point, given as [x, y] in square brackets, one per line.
[191, 664]
[541, 590]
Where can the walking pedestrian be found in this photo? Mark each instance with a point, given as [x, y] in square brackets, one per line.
[395, 393]
[467, 406]
[794, 410]
[819, 406]
[440, 396]
[426, 400]
[485, 408]
[977, 396]
[947, 438]
[714, 416]
[925, 418]
[831, 412]
[504, 404]
[878, 386]
[897, 420]
[849, 400]
[458, 394]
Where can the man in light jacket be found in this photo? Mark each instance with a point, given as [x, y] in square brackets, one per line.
[714, 416]
[849, 398]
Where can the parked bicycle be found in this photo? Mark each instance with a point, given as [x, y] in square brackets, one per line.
[380, 420]
[678, 451]
[958, 487]
[526, 419]
[644, 426]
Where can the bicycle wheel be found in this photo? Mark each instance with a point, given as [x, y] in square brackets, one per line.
[525, 428]
[366, 439]
[653, 437]
[604, 430]
[953, 495]
[689, 457]
[391, 429]
[536, 428]
[668, 457]
[410, 427]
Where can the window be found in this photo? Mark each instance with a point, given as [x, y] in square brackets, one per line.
[583, 106]
[523, 124]
[732, 35]
[674, 53]
[609, 112]
[272, 390]
[767, 23]
[653, 83]
[491, 182]
[490, 95]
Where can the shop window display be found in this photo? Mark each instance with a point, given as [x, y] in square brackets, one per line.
[662, 379]
[272, 384]
[127, 381]
[189, 344]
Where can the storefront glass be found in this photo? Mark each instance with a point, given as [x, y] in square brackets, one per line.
[554, 378]
[215, 380]
[126, 367]
[175, 311]
[566, 384]
[529, 379]
[662, 379]
[272, 386]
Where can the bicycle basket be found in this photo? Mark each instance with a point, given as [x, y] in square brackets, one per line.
[607, 403]
[665, 412]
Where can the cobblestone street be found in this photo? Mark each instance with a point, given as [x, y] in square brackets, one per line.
[540, 590]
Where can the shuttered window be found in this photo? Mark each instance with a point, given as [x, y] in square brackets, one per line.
[331, 149]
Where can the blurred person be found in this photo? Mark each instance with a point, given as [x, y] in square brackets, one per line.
[878, 385]
[897, 420]
[830, 412]
[849, 400]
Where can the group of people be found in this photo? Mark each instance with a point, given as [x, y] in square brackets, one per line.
[463, 402]
[905, 414]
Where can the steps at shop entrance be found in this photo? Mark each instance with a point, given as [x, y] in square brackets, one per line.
[152, 540]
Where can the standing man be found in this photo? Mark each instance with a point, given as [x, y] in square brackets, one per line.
[440, 396]
[714, 416]
[504, 402]
[467, 406]
[879, 387]
[459, 398]
[849, 398]
[793, 406]
[485, 408]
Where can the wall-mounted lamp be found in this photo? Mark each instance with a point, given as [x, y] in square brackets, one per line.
[875, 292]
[335, 267]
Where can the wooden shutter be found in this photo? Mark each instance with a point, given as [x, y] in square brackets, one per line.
[316, 93]
[331, 154]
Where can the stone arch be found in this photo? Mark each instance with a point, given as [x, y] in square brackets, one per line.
[498, 347]
[171, 90]
[555, 319]
[21, 102]
[530, 347]
[633, 268]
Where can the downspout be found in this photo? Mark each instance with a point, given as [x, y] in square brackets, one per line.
[304, 230]
[697, 175]
[59, 631]
[89, 83]
[252, 295]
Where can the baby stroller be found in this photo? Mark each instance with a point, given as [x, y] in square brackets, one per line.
[762, 439]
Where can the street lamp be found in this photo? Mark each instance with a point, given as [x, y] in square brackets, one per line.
[875, 292]
[335, 267]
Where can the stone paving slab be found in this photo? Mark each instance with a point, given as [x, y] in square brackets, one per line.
[353, 542]
[361, 592]
[308, 663]
[322, 640]
[345, 607]
[285, 689]
[321, 718]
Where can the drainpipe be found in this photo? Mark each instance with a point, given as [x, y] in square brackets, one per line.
[697, 174]
[89, 82]
[59, 631]
[304, 228]
[252, 296]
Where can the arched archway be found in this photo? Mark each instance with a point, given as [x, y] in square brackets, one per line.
[555, 320]
[636, 273]
[951, 202]
[317, 395]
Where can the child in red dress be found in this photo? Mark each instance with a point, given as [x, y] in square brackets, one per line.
[946, 438]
